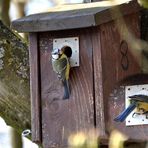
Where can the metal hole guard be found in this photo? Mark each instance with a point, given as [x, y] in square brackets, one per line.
[134, 118]
[73, 43]
[26, 133]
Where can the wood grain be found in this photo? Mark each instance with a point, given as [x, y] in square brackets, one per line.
[35, 88]
[98, 83]
[113, 73]
[61, 118]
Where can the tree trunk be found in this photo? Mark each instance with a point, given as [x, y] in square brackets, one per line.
[20, 6]
[14, 80]
[4, 11]
[16, 139]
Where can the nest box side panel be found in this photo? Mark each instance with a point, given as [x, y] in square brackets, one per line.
[118, 58]
[35, 88]
[120, 61]
[98, 83]
[61, 118]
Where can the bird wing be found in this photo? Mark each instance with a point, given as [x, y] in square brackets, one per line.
[60, 67]
[63, 64]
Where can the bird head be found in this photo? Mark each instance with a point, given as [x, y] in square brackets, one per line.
[56, 53]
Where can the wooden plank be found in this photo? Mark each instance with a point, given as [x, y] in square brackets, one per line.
[113, 57]
[71, 19]
[115, 53]
[35, 88]
[98, 83]
[126, 54]
[61, 118]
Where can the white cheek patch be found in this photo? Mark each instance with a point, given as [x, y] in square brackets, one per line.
[55, 56]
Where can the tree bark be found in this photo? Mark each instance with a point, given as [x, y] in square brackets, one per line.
[14, 80]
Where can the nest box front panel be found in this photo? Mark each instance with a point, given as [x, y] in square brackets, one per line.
[61, 118]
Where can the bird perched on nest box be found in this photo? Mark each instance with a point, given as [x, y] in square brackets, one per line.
[136, 101]
[61, 66]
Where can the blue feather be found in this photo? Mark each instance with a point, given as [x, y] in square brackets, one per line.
[66, 89]
[121, 117]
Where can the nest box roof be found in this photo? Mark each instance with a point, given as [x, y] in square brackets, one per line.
[80, 16]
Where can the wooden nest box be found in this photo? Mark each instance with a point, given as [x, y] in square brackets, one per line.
[101, 58]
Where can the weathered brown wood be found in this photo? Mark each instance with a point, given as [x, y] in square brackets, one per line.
[35, 88]
[111, 41]
[98, 83]
[136, 79]
[72, 19]
[61, 118]
[114, 72]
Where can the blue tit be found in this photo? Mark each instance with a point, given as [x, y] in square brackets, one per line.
[61, 66]
[136, 101]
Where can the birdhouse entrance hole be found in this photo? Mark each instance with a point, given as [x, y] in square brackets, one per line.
[67, 50]
[70, 46]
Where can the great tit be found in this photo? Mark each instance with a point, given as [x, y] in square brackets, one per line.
[139, 101]
[61, 66]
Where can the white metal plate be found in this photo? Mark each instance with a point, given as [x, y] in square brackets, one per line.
[73, 43]
[135, 90]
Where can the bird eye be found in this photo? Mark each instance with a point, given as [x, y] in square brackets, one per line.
[54, 53]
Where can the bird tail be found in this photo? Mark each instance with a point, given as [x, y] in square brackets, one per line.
[122, 116]
[66, 89]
